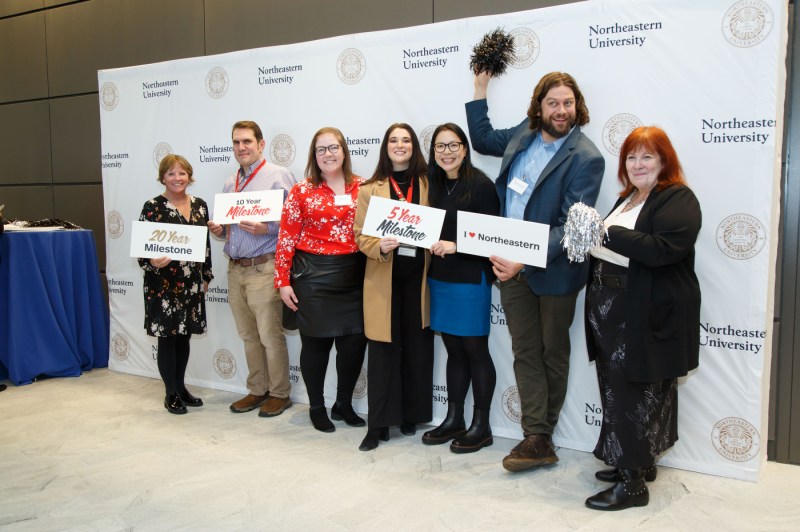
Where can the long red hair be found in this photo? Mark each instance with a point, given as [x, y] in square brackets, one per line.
[653, 139]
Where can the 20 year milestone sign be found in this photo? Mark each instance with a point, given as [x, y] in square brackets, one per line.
[151, 240]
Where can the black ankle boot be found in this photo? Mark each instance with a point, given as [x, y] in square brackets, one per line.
[453, 426]
[174, 405]
[344, 411]
[628, 492]
[613, 475]
[319, 418]
[189, 399]
[408, 429]
[370, 441]
[477, 437]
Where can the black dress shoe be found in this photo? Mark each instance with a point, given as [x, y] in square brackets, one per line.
[409, 429]
[174, 405]
[189, 399]
[613, 475]
[629, 492]
[344, 411]
[319, 418]
[370, 441]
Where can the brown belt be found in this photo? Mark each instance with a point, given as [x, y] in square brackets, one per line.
[252, 261]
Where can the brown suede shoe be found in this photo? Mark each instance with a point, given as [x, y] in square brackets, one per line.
[274, 406]
[251, 402]
[534, 451]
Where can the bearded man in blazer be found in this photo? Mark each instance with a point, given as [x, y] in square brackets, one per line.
[548, 165]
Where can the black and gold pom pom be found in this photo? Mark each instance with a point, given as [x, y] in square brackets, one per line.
[493, 53]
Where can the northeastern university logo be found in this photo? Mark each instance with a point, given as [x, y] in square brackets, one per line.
[747, 23]
[283, 150]
[526, 47]
[511, 404]
[735, 439]
[741, 236]
[351, 66]
[120, 346]
[109, 96]
[161, 150]
[224, 364]
[217, 82]
[425, 139]
[115, 225]
[360, 391]
[617, 130]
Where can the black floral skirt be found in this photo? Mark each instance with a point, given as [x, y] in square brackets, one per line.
[640, 419]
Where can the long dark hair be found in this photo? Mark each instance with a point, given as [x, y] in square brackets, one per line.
[417, 167]
[438, 177]
[550, 81]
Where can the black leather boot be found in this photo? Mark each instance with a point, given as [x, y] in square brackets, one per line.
[453, 426]
[613, 475]
[477, 437]
[189, 399]
[174, 405]
[344, 411]
[370, 441]
[628, 492]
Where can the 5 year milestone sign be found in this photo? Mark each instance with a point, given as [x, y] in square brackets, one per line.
[409, 223]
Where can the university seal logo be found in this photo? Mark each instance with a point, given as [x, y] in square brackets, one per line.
[161, 150]
[425, 139]
[511, 404]
[115, 225]
[526, 47]
[351, 66]
[217, 82]
[282, 149]
[741, 236]
[617, 130]
[120, 346]
[747, 23]
[224, 363]
[109, 96]
[736, 439]
[360, 390]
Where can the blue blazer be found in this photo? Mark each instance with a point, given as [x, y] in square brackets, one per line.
[573, 174]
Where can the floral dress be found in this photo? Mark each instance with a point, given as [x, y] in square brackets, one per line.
[174, 302]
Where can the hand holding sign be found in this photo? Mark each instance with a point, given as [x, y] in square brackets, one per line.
[408, 223]
[235, 208]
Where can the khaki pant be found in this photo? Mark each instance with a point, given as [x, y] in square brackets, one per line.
[257, 309]
[539, 330]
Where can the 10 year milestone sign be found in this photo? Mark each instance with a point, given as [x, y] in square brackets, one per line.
[260, 206]
[409, 223]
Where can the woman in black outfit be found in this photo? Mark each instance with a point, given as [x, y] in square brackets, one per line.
[174, 291]
[461, 291]
[396, 303]
[642, 313]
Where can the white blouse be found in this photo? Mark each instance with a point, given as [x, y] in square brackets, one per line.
[623, 219]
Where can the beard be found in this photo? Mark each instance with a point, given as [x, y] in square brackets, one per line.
[550, 128]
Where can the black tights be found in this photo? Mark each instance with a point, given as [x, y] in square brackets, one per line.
[314, 355]
[468, 358]
[173, 357]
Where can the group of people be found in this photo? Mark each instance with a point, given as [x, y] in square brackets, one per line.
[316, 271]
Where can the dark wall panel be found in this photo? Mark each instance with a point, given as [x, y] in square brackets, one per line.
[15, 7]
[255, 23]
[75, 131]
[25, 143]
[23, 62]
[86, 37]
[453, 9]
[27, 203]
[83, 205]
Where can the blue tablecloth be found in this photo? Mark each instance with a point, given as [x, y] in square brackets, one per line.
[53, 316]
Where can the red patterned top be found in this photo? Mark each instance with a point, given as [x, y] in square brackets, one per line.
[311, 222]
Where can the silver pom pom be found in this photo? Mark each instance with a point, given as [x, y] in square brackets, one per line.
[583, 231]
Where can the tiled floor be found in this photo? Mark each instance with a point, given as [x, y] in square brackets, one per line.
[100, 453]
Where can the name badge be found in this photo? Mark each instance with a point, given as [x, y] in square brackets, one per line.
[406, 251]
[342, 199]
[518, 185]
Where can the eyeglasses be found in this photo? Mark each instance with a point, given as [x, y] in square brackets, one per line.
[453, 146]
[333, 148]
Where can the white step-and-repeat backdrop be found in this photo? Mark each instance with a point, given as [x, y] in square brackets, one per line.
[710, 73]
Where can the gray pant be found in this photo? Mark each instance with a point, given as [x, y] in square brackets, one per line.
[539, 329]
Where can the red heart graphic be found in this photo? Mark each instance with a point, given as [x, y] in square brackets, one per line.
[472, 235]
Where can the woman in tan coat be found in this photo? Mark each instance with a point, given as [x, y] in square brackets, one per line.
[396, 304]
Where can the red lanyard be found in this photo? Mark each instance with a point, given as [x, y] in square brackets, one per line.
[400, 192]
[239, 189]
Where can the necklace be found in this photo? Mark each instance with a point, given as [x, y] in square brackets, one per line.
[633, 203]
[450, 190]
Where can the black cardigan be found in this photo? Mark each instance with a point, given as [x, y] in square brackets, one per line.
[662, 312]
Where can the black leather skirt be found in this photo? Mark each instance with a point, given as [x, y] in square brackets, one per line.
[329, 290]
